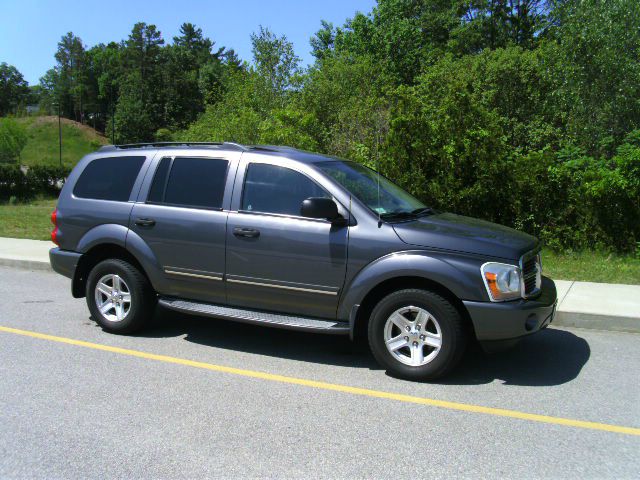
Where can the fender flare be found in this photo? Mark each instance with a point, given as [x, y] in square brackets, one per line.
[453, 272]
[106, 233]
[143, 253]
[130, 241]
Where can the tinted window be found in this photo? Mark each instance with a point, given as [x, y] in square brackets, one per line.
[377, 192]
[196, 182]
[273, 189]
[110, 178]
[156, 193]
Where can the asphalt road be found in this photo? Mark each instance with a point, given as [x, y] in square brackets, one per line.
[75, 411]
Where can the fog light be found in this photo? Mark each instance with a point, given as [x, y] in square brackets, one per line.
[531, 322]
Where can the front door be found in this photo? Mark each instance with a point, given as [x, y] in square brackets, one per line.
[276, 259]
[184, 223]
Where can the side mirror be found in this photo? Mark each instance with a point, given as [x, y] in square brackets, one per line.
[319, 207]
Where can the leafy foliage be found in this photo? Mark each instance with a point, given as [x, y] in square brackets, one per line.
[40, 180]
[13, 139]
[525, 112]
[13, 88]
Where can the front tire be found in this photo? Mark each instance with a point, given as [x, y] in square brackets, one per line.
[416, 334]
[119, 296]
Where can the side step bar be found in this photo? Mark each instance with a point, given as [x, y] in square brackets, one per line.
[290, 322]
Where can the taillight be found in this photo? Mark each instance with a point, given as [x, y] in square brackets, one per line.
[54, 220]
[54, 236]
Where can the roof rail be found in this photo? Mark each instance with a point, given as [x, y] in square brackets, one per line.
[237, 146]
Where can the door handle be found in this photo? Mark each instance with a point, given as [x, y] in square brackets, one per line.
[145, 222]
[246, 232]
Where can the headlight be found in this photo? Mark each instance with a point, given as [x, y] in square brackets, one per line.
[502, 281]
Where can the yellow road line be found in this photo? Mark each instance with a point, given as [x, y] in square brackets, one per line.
[500, 412]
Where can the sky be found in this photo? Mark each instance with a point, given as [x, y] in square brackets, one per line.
[30, 29]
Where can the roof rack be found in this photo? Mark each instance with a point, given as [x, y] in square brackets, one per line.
[236, 146]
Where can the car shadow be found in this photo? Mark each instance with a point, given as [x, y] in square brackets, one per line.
[273, 342]
[551, 357]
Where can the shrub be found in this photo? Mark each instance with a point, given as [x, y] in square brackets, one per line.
[12, 182]
[39, 180]
[572, 200]
[13, 138]
[164, 135]
[46, 180]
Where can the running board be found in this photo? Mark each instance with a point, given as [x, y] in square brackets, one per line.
[290, 322]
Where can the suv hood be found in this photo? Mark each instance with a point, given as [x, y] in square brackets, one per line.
[448, 231]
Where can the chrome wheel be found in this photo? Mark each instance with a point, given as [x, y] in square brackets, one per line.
[412, 336]
[113, 297]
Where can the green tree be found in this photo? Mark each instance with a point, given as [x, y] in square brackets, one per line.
[595, 57]
[194, 42]
[275, 59]
[47, 85]
[348, 97]
[143, 50]
[322, 43]
[140, 109]
[13, 88]
[500, 23]
[192, 70]
[71, 83]
[105, 63]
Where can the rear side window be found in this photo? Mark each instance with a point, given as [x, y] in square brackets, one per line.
[159, 181]
[189, 182]
[109, 178]
[274, 189]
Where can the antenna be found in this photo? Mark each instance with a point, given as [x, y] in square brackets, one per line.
[378, 176]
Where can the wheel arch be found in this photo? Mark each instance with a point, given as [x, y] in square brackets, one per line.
[455, 276]
[95, 255]
[390, 285]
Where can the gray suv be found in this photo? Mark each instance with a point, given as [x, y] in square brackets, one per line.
[286, 238]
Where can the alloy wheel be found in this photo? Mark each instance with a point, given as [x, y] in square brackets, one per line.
[413, 336]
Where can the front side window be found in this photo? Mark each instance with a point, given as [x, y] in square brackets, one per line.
[375, 191]
[274, 189]
[109, 178]
[189, 182]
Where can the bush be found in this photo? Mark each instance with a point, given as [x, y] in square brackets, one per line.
[39, 180]
[572, 200]
[455, 144]
[164, 135]
[12, 182]
[13, 138]
[46, 180]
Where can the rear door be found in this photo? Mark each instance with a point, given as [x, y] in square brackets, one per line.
[276, 259]
[183, 221]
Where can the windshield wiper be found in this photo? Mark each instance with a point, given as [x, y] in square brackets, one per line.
[423, 211]
[402, 214]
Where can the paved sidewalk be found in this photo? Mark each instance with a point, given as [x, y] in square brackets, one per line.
[599, 306]
[31, 254]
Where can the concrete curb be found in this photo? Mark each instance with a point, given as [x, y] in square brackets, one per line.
[597, 322]
[25, 264]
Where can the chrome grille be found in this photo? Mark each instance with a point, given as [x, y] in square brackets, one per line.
[531, 274]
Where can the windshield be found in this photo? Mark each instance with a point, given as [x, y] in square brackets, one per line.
[363, 182]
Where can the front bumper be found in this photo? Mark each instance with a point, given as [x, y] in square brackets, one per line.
[64, 262]
[512, 320]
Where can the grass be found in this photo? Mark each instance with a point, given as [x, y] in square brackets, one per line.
[33, 221]
[42, 146]
[27, 220]
[589, 266]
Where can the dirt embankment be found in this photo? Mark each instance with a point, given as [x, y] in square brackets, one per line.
[89, 131]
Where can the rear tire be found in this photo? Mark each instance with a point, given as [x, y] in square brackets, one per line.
[416, 334]
[119, 297]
